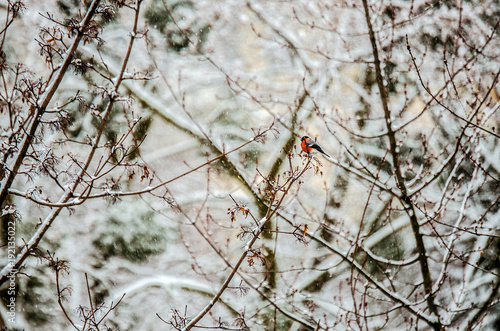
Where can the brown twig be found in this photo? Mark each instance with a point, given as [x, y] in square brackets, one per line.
[40, 232]
[273, 208]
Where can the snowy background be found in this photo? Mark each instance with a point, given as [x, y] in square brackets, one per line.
[204, 78]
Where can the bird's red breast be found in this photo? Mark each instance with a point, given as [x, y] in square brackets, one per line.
[303, 144]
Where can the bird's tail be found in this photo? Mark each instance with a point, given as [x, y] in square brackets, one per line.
[322, 152]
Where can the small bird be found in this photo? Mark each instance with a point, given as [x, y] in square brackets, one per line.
[308, 145]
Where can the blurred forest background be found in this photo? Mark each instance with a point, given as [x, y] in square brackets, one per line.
[152, 179]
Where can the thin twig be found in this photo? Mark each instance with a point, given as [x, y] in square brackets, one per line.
[270, 212]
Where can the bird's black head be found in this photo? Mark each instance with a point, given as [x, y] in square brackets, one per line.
[304, 138]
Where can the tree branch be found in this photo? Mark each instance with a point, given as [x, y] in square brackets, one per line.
[404, 197]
